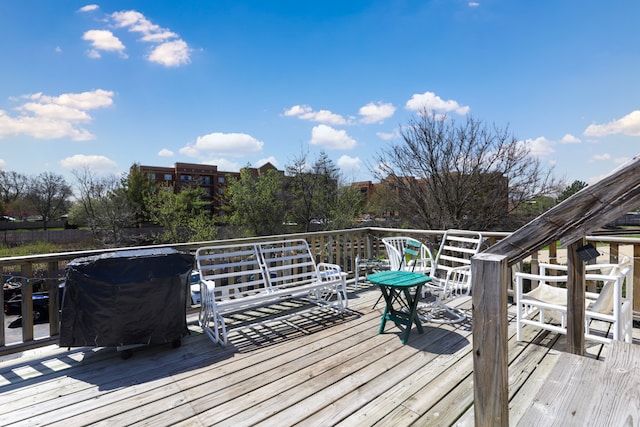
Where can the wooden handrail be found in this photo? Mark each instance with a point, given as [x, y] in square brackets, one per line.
[568, 222]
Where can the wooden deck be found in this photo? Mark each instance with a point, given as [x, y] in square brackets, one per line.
[316, 369]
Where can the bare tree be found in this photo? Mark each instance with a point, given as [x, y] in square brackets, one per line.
[312, 189]
[460, 176]
[49, 195]
[107, 210]
[13, 186]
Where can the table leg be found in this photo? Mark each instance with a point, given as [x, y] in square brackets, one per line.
[388, 303]
[411, 316]
[399, 317]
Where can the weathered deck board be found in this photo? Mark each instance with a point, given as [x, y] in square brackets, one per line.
[315, 369]
[587, 392]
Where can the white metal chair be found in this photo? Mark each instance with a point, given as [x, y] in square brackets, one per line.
[407, 253]
[545, 306]
[450, 276]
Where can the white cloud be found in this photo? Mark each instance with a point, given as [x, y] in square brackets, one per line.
[103, 40]
[473, 4]
[388, 136]
[136, 22]
[84, 100]
[374, 113]
[328, 137]
[171, 54]
[349, 164]
[89, 8]
[2, 164]
[601, 157]
[41, 128]
[53, 117]
[269, 159]
[165, 153]
[305, 112]
[169, 49]
[539, 147]
[431, 102]
[570, 139]
[628, 125]
[55, 112]
[233, 144]
[95, 163]
[93, 54]
[225, 165]
[383, 169]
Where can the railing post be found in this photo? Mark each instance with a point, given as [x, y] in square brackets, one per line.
[575, 299]
[636, 277]
[553, 252]
[369, 246]
[535, 263]
[26, 290]
[614, 253]
[53, 286]
[490, 274]
[2, 333]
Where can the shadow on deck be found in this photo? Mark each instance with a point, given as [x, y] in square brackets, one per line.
[314, 369]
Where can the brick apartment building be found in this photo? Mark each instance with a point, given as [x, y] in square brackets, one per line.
[215, 182]
[208, 177]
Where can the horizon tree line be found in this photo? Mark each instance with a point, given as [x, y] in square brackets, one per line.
[439, 175]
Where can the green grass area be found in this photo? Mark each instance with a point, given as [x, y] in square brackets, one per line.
[29, 249]
[38, 248]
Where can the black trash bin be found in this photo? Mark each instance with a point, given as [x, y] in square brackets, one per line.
[126, 298]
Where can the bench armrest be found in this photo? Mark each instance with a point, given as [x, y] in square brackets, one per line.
[328, 272]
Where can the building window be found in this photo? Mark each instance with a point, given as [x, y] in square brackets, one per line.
[168, 177]
[186, 178]
[221, 179]
[151, 176]
[206, 180]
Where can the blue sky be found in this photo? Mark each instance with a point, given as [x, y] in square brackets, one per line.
[103, 85]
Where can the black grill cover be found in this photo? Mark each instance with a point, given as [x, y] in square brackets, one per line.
[125, 298]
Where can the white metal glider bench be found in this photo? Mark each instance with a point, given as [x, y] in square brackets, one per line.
[545, 306]
[241, 277]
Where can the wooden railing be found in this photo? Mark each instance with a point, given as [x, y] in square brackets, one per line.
[569, 222]
[340, 247]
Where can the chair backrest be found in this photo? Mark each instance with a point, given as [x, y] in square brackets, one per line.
[235, 270]
[617, 274]
[457, 248]
[611, 276]
[288, 263]
[242, 270]
[407, 253]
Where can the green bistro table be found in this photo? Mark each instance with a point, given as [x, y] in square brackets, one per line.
[396, 289]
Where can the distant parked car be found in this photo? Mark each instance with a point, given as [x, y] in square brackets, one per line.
[7, 218]
[40, 300]
[11, 287]
[194, 284]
